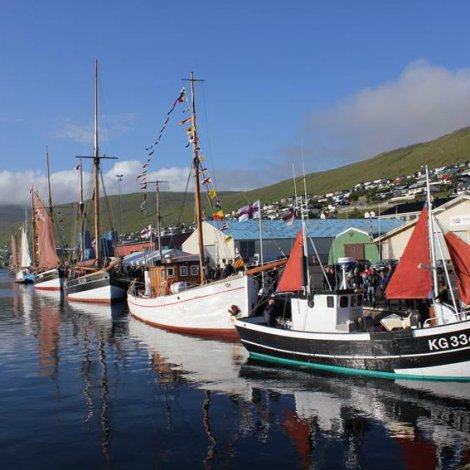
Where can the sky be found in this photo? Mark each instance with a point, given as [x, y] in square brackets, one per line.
[305, 85]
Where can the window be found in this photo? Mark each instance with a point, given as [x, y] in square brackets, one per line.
[343, 301]
[194, 270]
[353, 300]
[183, 271]
[170, 272]
[330, 301]
[359, 300]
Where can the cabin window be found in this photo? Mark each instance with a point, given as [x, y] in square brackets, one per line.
[194, 270]
[163, 273]
[343, 301]
[353, 300]
[183, 271]
[330, 301]
[359, 300]
[170, 272]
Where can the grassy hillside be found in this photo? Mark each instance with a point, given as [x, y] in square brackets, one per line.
[449, 149]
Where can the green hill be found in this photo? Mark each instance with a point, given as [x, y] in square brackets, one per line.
[449, 149]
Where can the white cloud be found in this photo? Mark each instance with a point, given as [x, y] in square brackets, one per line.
[424, 103]
[110, 125]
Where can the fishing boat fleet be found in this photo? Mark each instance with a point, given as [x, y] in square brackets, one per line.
[295, 325]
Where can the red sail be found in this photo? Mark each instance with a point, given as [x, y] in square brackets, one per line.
[460, 255]
[48, 258]
[292, 277]
[409, 280]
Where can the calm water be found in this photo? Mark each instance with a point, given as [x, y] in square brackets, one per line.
[87, 387]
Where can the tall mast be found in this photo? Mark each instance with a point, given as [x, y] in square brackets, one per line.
[33, 227]
[81, 208]
[159, 227]
[49, 184]
[431, 236]
[196, 182]
[96, 169]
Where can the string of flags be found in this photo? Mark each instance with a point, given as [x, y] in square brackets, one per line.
[142, 177]
[192, 139]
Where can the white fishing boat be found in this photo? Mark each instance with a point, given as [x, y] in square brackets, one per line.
[328, 330]
[177, 296]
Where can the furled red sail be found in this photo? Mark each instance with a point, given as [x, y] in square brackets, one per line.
[292, 277]
[410, 281]
[460, 255]
[48, 258]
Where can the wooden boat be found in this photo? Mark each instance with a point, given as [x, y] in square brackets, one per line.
[97, 283]
[177, 297]
[328, 330]
[48, 274]
[23, 273]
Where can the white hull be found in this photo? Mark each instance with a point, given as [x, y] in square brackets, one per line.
[201, 310]
[105, 294]
[99, 287]
[24, 277]
[49, 280]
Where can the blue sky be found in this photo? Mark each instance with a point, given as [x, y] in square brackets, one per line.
[340, 80]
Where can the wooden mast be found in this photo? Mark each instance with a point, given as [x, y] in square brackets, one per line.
[96, 167]
[197, 182]
[49, 184]
[159, 225]
[33, 229]
[96, 171]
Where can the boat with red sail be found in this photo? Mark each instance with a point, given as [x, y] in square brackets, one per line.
[329, 330]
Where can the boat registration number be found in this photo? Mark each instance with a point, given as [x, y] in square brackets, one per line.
[452, 342]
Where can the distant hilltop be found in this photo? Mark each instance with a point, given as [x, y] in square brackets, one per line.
[450, 149]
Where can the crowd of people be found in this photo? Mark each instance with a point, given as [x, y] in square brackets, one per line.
[367, 280]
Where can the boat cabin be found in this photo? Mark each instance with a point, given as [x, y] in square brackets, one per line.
[328, 312]
[177, 271]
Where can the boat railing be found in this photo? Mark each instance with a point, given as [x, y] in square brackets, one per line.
[453, 318]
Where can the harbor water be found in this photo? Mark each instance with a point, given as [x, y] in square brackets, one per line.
[85, 386]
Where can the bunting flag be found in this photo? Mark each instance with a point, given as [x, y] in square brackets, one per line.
[212, 194]
[185, 121]
[218, 215]
[224, 226]
[78, 166]
[228, 238]
[151, 149]
[207, 180]
[238, 262]
[249, 212]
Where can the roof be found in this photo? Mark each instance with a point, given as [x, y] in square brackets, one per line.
[142, 257]
[317, 228]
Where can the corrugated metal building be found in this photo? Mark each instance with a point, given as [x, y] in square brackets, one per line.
[223, 239]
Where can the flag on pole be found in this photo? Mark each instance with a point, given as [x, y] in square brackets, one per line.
[249, 212]
[289, 217]
[146, 232]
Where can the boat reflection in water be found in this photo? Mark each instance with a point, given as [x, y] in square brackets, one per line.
[98, 328]
[331, 421]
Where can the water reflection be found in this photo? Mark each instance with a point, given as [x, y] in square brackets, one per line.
[426, 423]
[113, 391]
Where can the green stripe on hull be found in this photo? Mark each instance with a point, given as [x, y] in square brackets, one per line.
[351, 371]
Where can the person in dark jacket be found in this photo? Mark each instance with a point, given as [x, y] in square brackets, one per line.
[228, 270]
